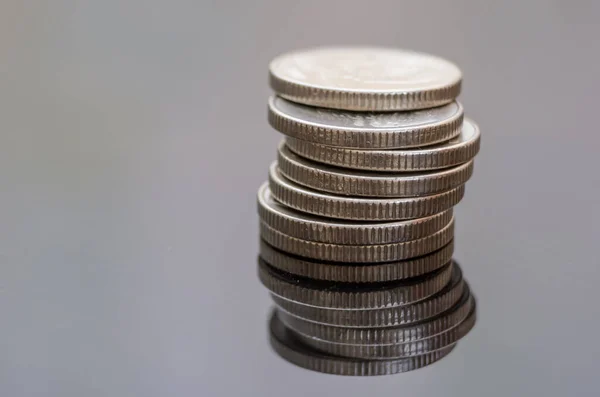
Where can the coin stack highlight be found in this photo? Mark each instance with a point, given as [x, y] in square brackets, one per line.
[356, 221]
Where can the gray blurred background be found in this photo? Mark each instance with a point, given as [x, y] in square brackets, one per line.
[133, 139]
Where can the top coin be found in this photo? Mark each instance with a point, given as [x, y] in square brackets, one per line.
[365, 78]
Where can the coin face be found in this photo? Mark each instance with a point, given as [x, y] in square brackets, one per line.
[469, 133]
[366, 69]
[366, 73]
[367, 121]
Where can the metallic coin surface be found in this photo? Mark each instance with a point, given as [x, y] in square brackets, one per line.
[358, 208]
[382, 317]
[326, 178]
[391, 351]
[357, 273]
[383, 335]
[309, 227]
[358, 253]
[287, 345]
[352, 296]
[343, 129]
[456, 151]
[365, 78]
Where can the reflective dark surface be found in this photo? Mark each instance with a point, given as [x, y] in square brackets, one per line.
[134, 137]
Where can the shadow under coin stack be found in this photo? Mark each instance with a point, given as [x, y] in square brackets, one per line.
[356, 222]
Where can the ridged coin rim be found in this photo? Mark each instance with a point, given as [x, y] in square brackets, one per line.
[365, 138]
[365, 296]
[325, 230]
[358, 253]
[348, 182]
[393, 351]
[440, 156]
[292, 350]
[381, 317]
[367, 273]
[358, 208]
[383, 335]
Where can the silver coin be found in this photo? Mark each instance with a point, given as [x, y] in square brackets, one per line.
[392, 351]
[336, 180]
[381, 317]
[383, 335]
[365, 78]
[367, 273]
[309, 227]
[456, 151]
[358, 253]
[349, 296]
[390, 130]
[358, 208]
[287, 345]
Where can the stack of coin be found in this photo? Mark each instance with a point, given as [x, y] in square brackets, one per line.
[356, 221]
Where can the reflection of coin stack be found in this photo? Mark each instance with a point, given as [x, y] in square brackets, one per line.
[356, 219]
